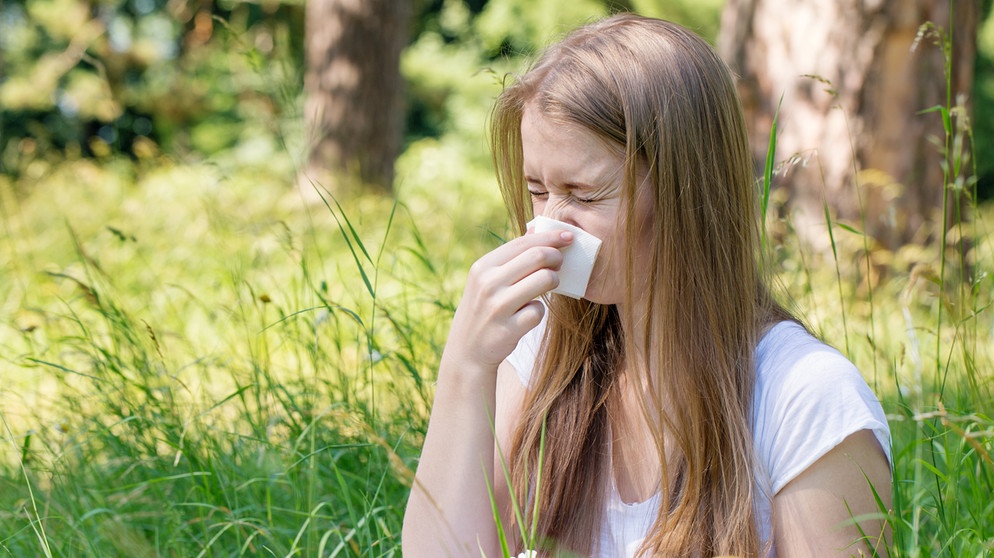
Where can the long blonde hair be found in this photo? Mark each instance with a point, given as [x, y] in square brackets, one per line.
[661, 93]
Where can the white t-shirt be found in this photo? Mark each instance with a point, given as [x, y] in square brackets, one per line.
[808, 399]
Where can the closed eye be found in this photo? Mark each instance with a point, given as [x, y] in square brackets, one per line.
[542, 195]
[593, 194]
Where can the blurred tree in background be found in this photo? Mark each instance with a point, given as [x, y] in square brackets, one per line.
[192, 78]
[355, 91]
[855, 77]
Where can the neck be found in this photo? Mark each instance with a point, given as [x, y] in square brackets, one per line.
[635, 324]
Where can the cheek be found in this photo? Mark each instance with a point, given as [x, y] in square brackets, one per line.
[610, 259]
[538, 207]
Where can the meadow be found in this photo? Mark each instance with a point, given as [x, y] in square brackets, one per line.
[197, 359]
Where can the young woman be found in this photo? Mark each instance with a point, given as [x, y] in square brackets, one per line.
[676, 409]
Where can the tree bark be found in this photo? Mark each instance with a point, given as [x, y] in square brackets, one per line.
[853, 88]
[354, 107]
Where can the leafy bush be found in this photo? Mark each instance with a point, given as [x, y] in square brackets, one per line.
[128, 75]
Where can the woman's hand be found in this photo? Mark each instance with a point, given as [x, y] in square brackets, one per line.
[499, 303]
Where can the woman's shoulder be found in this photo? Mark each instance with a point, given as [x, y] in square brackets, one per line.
[785, 343]
[791, 363]
[809, 397]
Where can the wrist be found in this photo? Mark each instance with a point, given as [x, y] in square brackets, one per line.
[466, 366]
[466, 375]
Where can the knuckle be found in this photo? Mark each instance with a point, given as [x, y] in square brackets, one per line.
[549, 278]
[533, 318]
[486, 286]
[480, 284]
[536, 256]
[477, 268]
[542, 256]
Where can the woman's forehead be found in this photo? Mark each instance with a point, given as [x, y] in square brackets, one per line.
[561, 151]
[539, 128]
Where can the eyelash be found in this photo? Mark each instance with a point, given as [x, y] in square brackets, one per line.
[539, 195]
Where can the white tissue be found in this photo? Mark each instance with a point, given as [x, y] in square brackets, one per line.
[578, 257]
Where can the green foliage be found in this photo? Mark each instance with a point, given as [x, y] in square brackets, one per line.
[703, 16]
[983, 103]
[521, 27]
[461, 53]
[137, 75]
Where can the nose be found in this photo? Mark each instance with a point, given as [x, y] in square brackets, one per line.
[557, 207]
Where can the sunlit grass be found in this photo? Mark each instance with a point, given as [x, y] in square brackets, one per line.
[196, 364]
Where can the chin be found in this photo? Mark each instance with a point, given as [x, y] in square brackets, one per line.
[597, 297]
[600, 292]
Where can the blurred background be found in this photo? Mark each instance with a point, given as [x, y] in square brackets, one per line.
[338, 90]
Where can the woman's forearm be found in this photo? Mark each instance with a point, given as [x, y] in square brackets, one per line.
[449, 511]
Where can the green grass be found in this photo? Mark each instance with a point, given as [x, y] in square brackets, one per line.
[197, 364]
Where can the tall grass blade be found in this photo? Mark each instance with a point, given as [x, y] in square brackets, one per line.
[350, 236]
[37, 523]
[501, 536]
[838, 273]
[764, 199]
[538, 486]
[515, 508]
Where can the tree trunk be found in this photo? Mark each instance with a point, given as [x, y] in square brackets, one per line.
[354, 107]
[853, 88]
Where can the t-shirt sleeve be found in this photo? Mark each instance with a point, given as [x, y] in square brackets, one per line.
[809, 399]
[525, 354]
